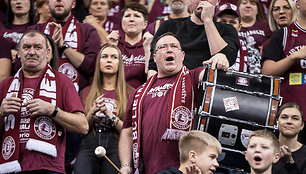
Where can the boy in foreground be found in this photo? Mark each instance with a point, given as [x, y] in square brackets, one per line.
[198, 154]
[262, 151]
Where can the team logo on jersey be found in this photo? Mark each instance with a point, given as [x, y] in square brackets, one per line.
[8, 147]
[181, 117]
[295, 33]
[69, 71]
[45, 128]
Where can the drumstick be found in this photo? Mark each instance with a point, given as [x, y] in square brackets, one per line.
[101, 152]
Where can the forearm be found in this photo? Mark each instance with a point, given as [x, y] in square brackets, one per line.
[73, 122]
[125, 146]
[278, 68]
[215, 41]
[74, 57]
[102, 34]
[5, 66]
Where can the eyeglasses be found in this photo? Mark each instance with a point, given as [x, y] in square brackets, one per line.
[277, 9]
[174, 46]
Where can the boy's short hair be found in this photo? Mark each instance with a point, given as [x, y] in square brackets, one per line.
[267, 135]
[196, 141]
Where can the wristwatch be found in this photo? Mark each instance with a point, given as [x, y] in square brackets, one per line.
[64, 47]
[113, 118]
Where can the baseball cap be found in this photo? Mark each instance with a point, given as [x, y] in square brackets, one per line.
[227, 8]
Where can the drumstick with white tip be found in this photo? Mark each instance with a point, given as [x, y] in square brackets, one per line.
[101, 152]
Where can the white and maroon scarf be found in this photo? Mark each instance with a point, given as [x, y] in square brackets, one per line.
[179, 115]
[72, 36]
[43, 133]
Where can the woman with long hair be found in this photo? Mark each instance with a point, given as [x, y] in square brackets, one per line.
[105, 105]
[20, 15]
[290, 123]
[255, 30]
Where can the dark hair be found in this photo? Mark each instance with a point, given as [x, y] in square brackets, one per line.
[289, 105]
[163, 35]
[10, 14]
[54, 59]
[136, 7]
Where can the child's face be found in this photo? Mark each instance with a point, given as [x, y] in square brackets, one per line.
[261, 154]
[230, 19]
[207, 160]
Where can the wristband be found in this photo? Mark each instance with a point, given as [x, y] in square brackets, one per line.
[125, 165]
[53, 115]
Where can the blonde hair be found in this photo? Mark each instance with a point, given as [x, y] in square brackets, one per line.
[267, 135]
[196, 141]
[272, 23]
[121, 86]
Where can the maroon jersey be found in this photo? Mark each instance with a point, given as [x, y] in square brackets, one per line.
[134, 62]
[255, 36]
[158, 154]
[153, 27]
[4, 49]
[32, 160]
[12, 34]
[285, 42]
[157, 9]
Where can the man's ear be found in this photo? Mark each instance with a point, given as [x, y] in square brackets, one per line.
[297, 4]
[73, 4]
[145, 25]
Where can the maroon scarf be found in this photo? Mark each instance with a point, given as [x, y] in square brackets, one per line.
[72, 36]
[43, 131]
[179, 114]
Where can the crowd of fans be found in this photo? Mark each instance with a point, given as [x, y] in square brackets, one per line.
[114, 51]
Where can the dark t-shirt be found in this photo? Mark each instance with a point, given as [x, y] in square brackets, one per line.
[285, 42]
[298, 168]
[31, 160]
[194, 41]
[158, 154]
[171, 170]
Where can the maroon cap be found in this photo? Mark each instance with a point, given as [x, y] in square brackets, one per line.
[227, 9]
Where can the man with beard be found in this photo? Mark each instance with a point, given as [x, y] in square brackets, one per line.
[35, 112]
[179, 9]
[78, 44]
[203, 40]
